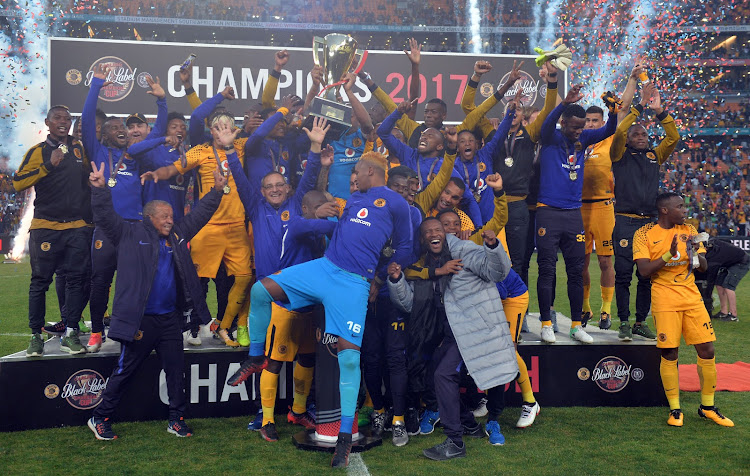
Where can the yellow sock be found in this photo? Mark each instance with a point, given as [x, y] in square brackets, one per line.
[368, 400]
[269, 383]
[237, 297]
[607, 294]
[547, 323]
[398, 419]
[523, 381]
[574, 324]
[379, 410]
[707, 377]
[303, 377]
[670, 379]
[586, 295]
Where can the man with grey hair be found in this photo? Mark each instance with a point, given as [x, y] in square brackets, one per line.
[157, 295]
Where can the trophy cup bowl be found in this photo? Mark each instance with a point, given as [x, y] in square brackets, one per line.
[336, 54]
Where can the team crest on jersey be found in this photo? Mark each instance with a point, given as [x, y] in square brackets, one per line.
[285, 215]
[482, 167]
[138, 335]
[662, 337]
[122, 167]
[651, 155]
[683, 238]
[285, 155]
[380, 202]
[519, 133]
[349, 152]
[77, 153]
[282, 349]
[357, 142]
[180, 179]
[46, 246]
[362, 213]
[623, 243]
[98, 244]
[542, 231]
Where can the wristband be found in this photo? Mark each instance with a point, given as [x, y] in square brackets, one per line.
[551, 75]
[498, 96]
[663, 115]
[473, 84]
[276, 74]
[189, 90]
[283, 110]
[667, 256]
[372, 87]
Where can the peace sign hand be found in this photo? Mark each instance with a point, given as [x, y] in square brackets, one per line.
[96, 177]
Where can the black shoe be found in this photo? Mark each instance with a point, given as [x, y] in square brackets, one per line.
[179, 428]
[107, 320]
[585, 316]
[388, 424]
[729, 318]
[377, 423]
[56, 329]
[474, 432]
[605, 322]
[251, 365]
[268, 432]
[445, 450]
[719, 315]
[341, 453]
[412, 421]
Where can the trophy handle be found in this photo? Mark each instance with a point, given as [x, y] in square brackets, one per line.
[318, 42]
[361, 63]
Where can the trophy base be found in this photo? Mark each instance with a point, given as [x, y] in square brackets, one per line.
[339, 117]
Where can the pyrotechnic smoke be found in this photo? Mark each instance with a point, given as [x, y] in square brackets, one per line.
[474, 24]
[23, 106]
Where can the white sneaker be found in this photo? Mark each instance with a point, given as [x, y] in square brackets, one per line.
[193, 338]
[577, 333]
[529, 411]
[481, 409]
[548, 335]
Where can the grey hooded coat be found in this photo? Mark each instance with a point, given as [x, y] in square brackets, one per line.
[474, 311]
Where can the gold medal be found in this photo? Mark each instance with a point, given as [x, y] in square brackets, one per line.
[573, 175]
[63, 148]
[112, 182]
[578, 146]
[509, 161]
[227, 189]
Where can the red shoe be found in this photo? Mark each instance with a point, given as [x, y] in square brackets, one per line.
[247, 368]
[214, 326]
[303, 419]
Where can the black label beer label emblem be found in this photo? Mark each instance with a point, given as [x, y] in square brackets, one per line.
[84, 389]
[119, 73]
[611, 374]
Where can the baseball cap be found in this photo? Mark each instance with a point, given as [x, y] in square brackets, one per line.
[135, 118]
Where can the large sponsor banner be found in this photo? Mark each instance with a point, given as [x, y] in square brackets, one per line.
[246, 69]
[742, 242]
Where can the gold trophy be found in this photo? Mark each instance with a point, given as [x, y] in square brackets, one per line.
[336, 54]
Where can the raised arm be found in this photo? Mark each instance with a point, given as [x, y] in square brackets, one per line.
[402, 151]
[668, 144]
[547, 131]
[550, 102]
[310, 176]
[629, 93]
[160, 126]
[88, 115]
[272, 85]
[620, 139]
[186, 78]
[414, 53]
[595, 136]
[365, 122]
[197, 128]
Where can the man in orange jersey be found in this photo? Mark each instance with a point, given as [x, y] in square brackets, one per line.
[667, 252]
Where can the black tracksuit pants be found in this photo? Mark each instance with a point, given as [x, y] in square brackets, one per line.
[163, 333]
[50, 250]
[622, 239]
[560, 229]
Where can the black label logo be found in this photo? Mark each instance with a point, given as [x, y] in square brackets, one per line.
[84, 389]
[611, 374]
[120, 74]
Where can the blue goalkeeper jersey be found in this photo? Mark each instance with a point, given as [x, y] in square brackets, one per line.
[368, 221]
